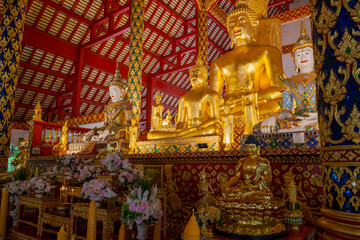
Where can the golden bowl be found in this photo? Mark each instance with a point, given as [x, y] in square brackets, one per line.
[63, 207]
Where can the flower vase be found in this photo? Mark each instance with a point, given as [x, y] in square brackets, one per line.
[209, 231]
[142, 231]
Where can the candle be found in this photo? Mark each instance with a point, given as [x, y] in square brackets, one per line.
[122, 232]
[157, 230]
[61, 235]
[91, 224]
[72, 195]
[3, 212]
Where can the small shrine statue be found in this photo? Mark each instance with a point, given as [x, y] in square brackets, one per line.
[300, 89]
[206, 191]
[198, 112]
[133, 132]
[21, 159]
[167, 120]
[64, 137]
[246, 191]
[248, 71]
[37, 112]
[117, 114]
[252, 175]
[228, 126]
[157, 111]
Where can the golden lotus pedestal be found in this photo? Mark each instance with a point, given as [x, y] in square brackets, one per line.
[252, 219]
[173, 145]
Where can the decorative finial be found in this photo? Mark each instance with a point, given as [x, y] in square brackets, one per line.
[37, 112]
[303, 41]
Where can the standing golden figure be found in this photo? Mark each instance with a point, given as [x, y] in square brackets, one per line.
[157, 113]
[247, 200]
[228, 127]
[198, 112]
[248, 71]
[133, 132]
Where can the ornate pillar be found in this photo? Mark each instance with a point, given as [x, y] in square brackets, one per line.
[202, 19]
[136, 53]
[11, 34]
[336, 36]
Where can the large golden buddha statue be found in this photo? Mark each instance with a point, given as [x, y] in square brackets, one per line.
[198, 112]
[117, 114]
[247, 200]
[249, 70]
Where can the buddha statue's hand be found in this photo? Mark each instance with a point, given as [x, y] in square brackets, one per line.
[268, 125]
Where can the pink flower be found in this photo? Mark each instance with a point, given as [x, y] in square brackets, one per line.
[132, 207]
[116, 163]
[76, 175]
[139, 209]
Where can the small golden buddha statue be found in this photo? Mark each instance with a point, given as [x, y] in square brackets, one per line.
[252, 175]
[246, 198]
[248, 71]
[117, 114]
[198, 112]
[157, 113]
[64, 137]
[167, 121]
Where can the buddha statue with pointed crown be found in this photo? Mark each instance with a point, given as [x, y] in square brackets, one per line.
[198, 111]
[299, 89]
[117, 114]
[249, 70]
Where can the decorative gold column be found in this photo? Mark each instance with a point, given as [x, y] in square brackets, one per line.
[136, 53]
[202, 57]
[11, 34]
[336, 36]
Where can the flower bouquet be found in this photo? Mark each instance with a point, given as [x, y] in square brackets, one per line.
[207, 217]
[84, 174]
[129, 177]
[68, 163]
[113, 162]
[142, 207]
[18, 187]
[40, 186]
[97, 190]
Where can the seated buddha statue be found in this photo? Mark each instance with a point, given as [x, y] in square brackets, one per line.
[249, 206]
[248, 71]
[117, 114]
[198, 111]
[63, 143]
[252, 176]
[300, 89]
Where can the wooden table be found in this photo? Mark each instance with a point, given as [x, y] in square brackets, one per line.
[55, 220]
[302, 234]
[41, 204]
[106, 216]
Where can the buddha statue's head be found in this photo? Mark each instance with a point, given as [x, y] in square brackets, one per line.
[252, 147]
[302, 52]
[158, 98]
[198, 76]
[118, 88]
[242, 25]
